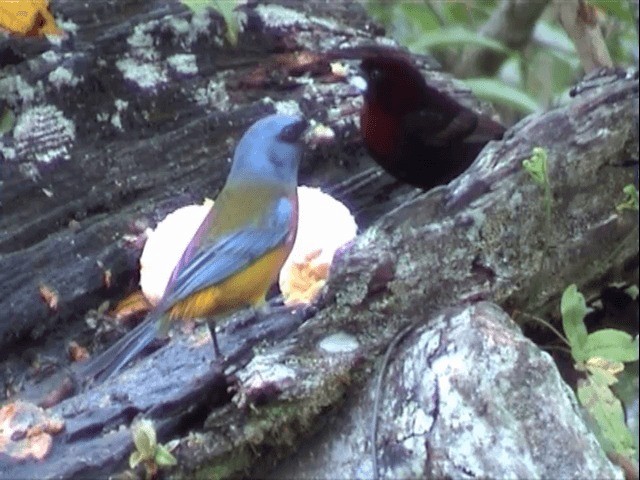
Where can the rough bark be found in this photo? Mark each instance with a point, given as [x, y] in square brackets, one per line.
[485, 236]
[468, 363]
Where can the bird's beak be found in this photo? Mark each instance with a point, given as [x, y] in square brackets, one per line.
[292, 133]
[359, 82]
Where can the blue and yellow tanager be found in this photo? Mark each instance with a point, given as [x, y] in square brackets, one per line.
[240, 247]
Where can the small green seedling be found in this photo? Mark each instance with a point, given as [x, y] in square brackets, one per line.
[537, 167]
[7, 121]
[630, 201]
[632, 291]
[600, 355]
[148, 451]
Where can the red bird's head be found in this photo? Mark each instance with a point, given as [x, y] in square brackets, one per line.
[394, 88]
[393, 83]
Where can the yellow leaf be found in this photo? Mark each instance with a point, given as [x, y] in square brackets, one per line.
[29, 18]
[611, 367]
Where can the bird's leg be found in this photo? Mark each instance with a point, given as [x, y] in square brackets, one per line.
[276, 305]
[211, 323]
[271, 306]
[216, 348]
[274, 302]
[260, 311]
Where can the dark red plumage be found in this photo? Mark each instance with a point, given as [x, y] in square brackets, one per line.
[417, 133]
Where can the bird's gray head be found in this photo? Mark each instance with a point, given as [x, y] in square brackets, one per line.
[270, 151]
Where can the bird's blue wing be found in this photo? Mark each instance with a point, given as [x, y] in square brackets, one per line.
[191, 249]
[233, 252]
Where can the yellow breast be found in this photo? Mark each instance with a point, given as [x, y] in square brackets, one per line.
[245, 288]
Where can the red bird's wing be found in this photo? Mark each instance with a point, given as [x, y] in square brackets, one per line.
[439, 129]
[441, 120]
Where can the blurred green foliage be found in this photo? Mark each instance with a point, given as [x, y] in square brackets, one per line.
[540, 74]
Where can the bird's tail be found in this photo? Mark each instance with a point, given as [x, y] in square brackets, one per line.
[120, 353]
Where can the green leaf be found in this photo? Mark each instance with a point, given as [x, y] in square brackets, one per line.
[611, 344]
[627, 391]
[456, 13]
[197, 6]
[630, 201]
[134, 459]
[499, 92]
[536, 166]
[223, 7]
[573, 309]
[615, 8]
[602, 376]
[164, 458]
[457, 36]
[632, 291]
[424, 18]
[380, 11]
[607, 412]
[226, 9]
[7, 120]
[553, 37]
[604, 371]
[144, 438]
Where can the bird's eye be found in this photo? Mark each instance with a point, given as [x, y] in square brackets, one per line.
[375, 74]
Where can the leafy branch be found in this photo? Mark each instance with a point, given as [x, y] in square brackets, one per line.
[601, 356]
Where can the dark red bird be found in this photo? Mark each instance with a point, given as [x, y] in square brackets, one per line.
[417, 133]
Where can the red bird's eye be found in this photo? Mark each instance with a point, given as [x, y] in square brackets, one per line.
[375, 74]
